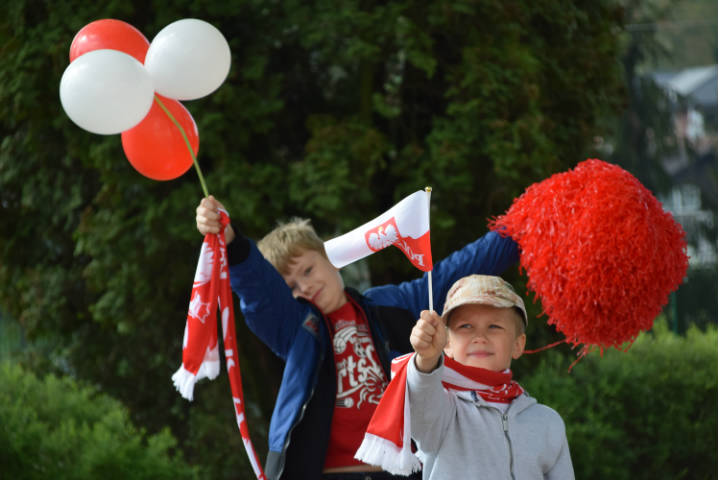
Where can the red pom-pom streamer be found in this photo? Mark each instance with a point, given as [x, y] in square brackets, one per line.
[599, 251]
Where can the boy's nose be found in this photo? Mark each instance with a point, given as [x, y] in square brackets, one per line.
[480, 336]
[303, 288]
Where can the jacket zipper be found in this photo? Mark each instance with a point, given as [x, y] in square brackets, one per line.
[280, 470]
[381, 345]
[505, 424]
[505, 427]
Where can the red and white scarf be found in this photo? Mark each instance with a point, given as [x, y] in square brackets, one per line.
[200, 349]
[387, 442]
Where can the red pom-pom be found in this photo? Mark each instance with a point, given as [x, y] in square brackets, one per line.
[599, 251]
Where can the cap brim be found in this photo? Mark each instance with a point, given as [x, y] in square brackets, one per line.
[486, 300]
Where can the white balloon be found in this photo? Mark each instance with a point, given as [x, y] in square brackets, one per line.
[106, 91]
[188, 59]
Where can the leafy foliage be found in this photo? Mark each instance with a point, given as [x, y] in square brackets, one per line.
[332, 110]
[56, 428]
[638, 414]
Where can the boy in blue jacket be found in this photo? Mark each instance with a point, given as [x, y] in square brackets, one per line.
[337, 344]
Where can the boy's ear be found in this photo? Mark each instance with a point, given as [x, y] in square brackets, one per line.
[519, 345]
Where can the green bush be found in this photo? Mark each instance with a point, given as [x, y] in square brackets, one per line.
[648, 413]
[55, 428]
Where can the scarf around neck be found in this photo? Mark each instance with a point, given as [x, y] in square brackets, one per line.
[387, 441]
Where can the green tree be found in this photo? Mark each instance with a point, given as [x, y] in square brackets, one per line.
[637, 414]
[332, 110]
[56, 428]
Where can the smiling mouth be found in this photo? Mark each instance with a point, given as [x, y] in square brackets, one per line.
[480, 354]
[314, 297]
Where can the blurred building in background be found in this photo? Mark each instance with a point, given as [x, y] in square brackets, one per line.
[692, 198]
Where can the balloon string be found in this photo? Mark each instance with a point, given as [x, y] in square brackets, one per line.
[186, 141]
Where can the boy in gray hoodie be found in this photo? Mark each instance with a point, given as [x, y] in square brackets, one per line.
[468, 418]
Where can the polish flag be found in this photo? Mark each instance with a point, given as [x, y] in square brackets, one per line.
[405, 225]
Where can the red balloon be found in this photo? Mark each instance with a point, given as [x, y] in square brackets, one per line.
[155, 147]
[112, 34]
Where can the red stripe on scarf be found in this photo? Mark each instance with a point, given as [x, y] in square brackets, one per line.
[200, 354]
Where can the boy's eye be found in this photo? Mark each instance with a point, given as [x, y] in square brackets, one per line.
[494, 325]
[465, 325]
[307, 271]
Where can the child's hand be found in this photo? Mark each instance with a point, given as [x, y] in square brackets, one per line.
[428, 337]
[208, 218]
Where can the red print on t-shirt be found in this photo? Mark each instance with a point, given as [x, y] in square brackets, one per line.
[360, 384]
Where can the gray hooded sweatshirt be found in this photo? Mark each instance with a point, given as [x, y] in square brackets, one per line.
[461, 436]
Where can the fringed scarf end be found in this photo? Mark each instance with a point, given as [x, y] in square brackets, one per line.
[184, 380]
[375, 450]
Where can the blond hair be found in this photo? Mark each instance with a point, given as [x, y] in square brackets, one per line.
[288, 240]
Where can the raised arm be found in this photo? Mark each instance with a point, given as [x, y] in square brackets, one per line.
[269, 308]
[267, 304]
[491, 254]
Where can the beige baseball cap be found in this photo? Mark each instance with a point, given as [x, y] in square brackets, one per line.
[485, 290]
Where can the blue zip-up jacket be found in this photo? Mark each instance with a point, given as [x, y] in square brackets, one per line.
[297, 332]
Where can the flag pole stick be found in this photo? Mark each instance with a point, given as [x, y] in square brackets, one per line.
[431, 289]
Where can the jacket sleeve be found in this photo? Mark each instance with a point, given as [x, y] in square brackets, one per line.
[491, 254]
[431, 406]
[563, 468]
[267, 304]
